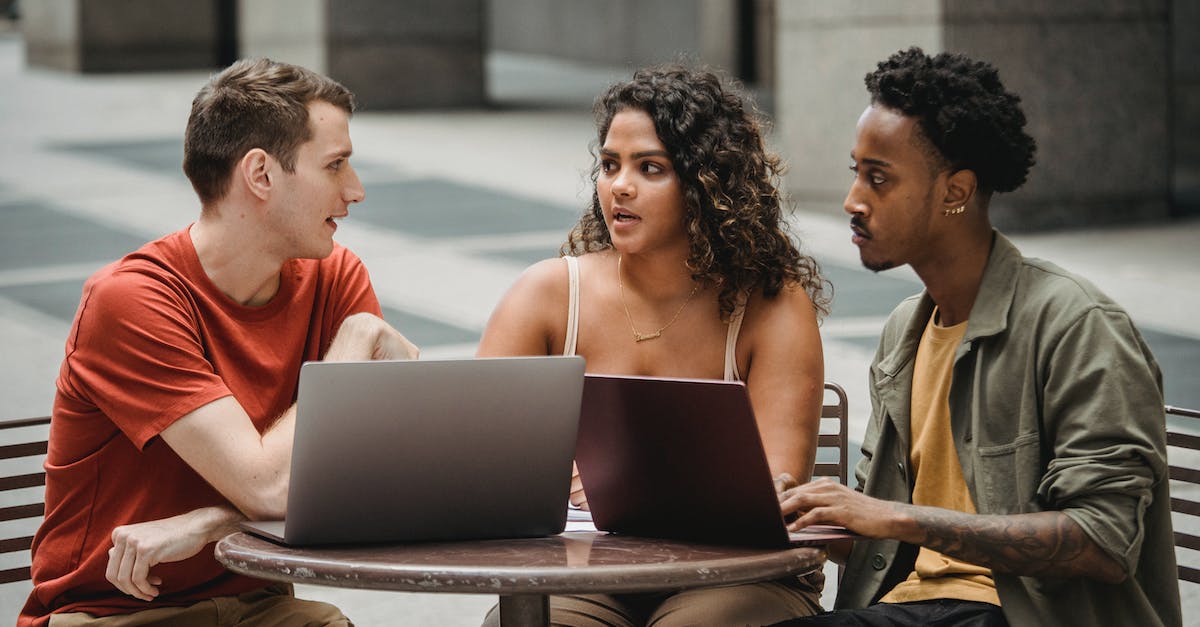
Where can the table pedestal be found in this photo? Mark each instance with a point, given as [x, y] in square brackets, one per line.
[525, 609]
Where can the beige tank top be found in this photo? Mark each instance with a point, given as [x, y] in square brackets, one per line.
[735, 323]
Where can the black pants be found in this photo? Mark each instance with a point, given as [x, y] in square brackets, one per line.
[935, 613]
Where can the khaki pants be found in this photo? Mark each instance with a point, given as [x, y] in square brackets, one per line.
[273, 606]
[747, 604]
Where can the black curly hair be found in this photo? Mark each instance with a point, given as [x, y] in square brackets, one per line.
[733, 219]
[964, 112]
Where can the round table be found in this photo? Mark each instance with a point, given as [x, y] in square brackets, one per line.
[523, 572]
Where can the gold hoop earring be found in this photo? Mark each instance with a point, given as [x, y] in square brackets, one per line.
[954, 212]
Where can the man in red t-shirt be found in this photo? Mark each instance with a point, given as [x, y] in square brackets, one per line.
[175, 406]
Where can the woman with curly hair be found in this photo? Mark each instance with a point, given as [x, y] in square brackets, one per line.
[682, 267]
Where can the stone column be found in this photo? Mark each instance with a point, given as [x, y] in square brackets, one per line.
[1185, 82]
[121, 35]
[393, 55]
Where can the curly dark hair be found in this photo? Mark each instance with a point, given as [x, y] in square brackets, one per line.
[730, 184]
[964, 112]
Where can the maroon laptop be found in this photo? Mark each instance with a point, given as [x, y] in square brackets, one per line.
[679, 459]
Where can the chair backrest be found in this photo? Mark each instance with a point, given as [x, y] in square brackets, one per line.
[1183, 456]
[22, 492]
[834, 415]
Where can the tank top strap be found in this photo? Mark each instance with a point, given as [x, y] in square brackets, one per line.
[735, 326]
[573, 305]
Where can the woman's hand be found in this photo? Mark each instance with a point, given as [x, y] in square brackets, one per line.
[578, 498]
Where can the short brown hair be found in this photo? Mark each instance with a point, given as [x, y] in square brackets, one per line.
[254, 103]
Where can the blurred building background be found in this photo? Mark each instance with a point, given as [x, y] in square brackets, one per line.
[472, 148]
[1111, 87]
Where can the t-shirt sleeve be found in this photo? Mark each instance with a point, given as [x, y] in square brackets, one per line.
[351, 291]
[136, 354]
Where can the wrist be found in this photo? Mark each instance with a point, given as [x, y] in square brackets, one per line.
[214, 523]
[904, 525]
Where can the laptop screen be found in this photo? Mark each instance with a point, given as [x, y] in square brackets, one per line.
[676, 458]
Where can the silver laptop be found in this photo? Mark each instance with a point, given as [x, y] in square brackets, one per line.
[680, 459]
[405, 451]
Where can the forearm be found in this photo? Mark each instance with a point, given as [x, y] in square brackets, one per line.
[1044, 544]
[214, 523]
[271, 502]
[364, 337]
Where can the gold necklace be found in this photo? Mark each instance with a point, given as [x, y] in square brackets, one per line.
[642, 337]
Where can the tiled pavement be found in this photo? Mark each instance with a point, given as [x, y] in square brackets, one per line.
[458, 203]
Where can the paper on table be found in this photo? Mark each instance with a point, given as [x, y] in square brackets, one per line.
[820, 534]
[579, 520]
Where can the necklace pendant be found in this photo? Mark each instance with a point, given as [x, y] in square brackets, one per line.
[642, 337]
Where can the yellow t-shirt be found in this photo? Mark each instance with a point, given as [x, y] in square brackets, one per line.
[939, 481]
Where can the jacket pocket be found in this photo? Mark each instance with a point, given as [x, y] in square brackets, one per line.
[1007, 476]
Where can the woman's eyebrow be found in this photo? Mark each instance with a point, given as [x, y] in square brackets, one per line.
[608, 152]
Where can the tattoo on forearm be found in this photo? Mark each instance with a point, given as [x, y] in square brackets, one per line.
[1043, 544]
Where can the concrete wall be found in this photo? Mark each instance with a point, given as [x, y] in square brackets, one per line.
[823, 50]
[1094, 82]
[1111, 87]
[1094, 76]
[617, 32]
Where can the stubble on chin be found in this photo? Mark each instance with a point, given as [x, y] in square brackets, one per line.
[878, 266]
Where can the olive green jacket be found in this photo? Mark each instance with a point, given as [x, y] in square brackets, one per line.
[1055, 404]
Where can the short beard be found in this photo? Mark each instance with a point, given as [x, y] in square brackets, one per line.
[878, 266]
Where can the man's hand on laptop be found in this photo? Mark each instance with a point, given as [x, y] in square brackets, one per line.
[827, 502]
[785, 488]
[139, 547]
[364, 337]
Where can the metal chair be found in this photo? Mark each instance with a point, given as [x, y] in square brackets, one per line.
[27, 452]
[834, 414]
[1184, 463]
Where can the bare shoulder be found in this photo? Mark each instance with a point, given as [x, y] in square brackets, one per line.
[528, 317]
[544, 277]
[550, 276]
[791, 306]
[786, 321]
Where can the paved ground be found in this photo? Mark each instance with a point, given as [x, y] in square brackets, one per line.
[458, 203]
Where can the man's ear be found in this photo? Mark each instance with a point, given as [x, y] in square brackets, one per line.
[960, 190]
[254, 168]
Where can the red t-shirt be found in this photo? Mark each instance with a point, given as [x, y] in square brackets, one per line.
[153, 340]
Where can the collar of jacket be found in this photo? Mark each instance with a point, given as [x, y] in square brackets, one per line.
[989, 312]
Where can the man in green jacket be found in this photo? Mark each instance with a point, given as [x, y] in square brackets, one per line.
[1014, 466]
